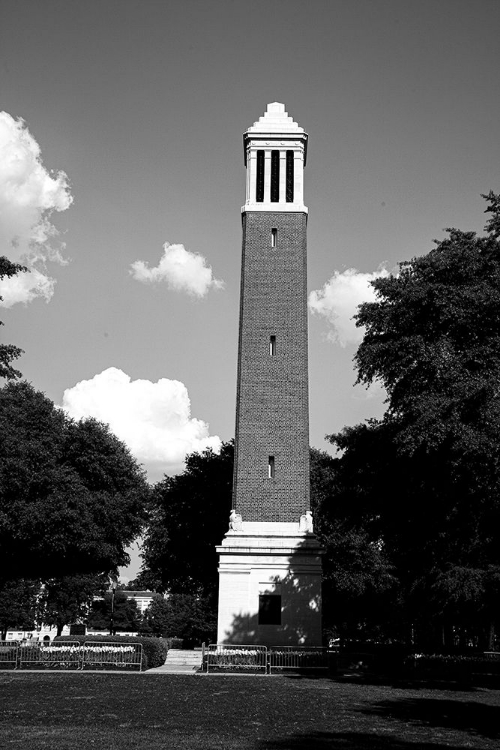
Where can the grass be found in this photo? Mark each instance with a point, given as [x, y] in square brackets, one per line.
[205, 712]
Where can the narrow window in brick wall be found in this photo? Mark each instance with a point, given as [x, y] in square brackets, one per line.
[272, 346]
[259, 197]
[275, 176]
[289, 177]
[274, 237]
[269, 609]
[271, 467]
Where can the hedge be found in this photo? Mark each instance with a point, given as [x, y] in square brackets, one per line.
[459, 665]
[154, 650]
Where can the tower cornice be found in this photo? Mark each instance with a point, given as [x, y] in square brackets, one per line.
[275, 140]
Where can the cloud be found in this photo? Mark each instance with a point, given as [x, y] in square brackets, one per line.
[182, 270]
[29, 195]
[24, 287]
[338, 302]
[153, 419]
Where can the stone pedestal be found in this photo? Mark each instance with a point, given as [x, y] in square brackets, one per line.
[269, 586]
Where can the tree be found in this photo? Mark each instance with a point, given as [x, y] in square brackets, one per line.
[427, 475]
[9, 352]
[189, 516]
[144, 581]
[359, 588]
[114, 612]
[69, 599]
[185, 616]
[72, 498]
[18, 606]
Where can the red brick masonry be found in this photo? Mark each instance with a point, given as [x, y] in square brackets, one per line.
[272, 414]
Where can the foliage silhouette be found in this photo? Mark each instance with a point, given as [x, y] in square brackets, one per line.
[9, 352]
[423, 483]
[72, 496]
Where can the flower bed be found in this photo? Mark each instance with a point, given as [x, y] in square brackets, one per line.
[235, 659]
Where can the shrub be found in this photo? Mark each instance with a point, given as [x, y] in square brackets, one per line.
[154, 650]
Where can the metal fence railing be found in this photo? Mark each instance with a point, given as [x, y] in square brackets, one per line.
[8, 654]
[492, 655]
[220, 657]
[298, 658]
[49, 656]
[121, 656]
[91, 655]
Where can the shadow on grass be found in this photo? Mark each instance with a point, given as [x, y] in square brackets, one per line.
[399, 683]
[466, 716]
[348, 741]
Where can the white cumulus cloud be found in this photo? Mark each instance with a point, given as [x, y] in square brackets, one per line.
[29, 195]
[338, 302]
[180, 269]
[153, 419]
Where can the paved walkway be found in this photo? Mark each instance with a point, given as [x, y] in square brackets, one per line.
[179, 661]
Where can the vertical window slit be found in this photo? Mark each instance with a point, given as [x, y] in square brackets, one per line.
[274, 237]
[275, 176]
[259, 196]
[289, 177]
[271, 467]
[272, 346]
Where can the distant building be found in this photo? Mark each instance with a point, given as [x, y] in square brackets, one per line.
[142, 598]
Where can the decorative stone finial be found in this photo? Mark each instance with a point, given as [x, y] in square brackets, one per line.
[306, 522]
[275, 120]
[235, 521]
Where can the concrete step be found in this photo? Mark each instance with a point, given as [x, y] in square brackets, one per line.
[181, 657]
[180, 662]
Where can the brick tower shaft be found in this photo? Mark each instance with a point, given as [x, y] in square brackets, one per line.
[270, 560]
[271, 479]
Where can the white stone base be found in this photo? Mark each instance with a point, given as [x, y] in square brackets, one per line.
[270, 558]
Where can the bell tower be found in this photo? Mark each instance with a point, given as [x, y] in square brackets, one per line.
[270, 560]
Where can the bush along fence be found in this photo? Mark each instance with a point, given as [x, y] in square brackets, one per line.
[266, 659]
[480, 669]
[72, 655]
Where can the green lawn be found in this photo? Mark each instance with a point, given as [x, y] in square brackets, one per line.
[205, 712]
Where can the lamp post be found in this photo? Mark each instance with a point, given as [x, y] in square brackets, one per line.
[112, 619]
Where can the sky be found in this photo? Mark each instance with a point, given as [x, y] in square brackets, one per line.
[122, 180]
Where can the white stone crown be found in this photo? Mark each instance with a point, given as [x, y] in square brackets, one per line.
[275, 120]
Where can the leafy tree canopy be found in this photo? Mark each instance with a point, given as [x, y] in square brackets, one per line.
[425, 479]
[69, 599]
[185, 616]
[18, 605]
[72, 498]
[8, 352]
[359, 588]
[190, 515]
